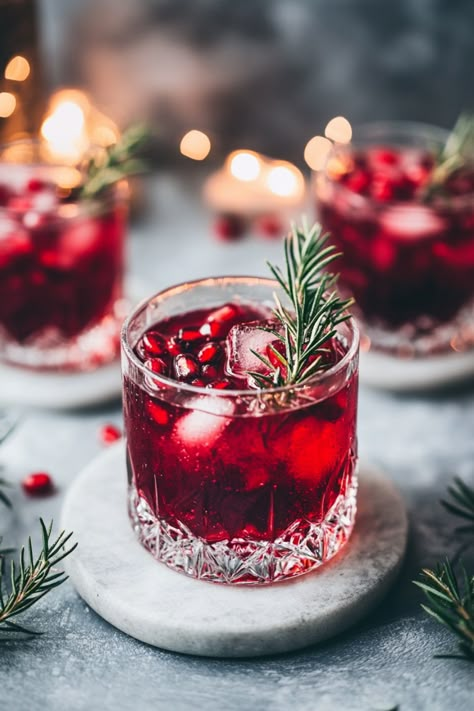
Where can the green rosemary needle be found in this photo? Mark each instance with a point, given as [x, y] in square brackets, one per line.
[315, 312]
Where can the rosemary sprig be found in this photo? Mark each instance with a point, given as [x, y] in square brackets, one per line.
[116, 162]
[461, 504]
[456, 152]
[31, 578]
[451, 602]
[316, 308]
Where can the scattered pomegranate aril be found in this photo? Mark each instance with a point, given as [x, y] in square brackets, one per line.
[38, 484]
[210, 371]
[210, 352]
[186, 367]
[153, 344]
[198, 383]
[269, 226]
[35, 185]
[157, 413]
[223, 384]
[157, 365]
[228, 228]
[109, 434]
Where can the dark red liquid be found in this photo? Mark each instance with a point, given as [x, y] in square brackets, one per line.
[60, 268]
[402, 257]
[227, 475]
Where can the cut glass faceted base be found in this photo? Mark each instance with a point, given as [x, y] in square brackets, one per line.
[301, 548]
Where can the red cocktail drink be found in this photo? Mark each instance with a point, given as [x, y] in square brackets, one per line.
[61, 270]
[408, 256]
[230, 483]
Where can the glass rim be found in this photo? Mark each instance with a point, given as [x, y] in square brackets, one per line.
[371, 133]
[116, 193]
[317, 379]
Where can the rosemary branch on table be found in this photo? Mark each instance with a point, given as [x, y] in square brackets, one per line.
[30, 578]
[315, 312]
[450, 596]
[456, 152]
[116, 162]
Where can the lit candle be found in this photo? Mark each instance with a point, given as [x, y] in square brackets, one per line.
[250, 184]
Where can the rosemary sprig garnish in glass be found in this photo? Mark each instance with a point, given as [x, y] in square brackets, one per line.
[31, 578]
[456, 152]
[116, 162]
[315, 312]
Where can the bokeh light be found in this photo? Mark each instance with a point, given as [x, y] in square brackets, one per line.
[17, 69]
[339, 129]
[316, 152]
[195, 145]
[7, 104]
[245, 165]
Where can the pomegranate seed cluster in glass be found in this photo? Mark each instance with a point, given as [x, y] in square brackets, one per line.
[230, 483]
[408, 256]
[61, 271]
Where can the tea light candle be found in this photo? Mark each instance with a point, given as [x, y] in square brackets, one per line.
[250, 184]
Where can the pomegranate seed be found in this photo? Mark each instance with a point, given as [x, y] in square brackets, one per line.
[20, 203]
[190, 334]
[198, 382]
[358, 181]
[38, 484]
[174, 346]
[109, 434]
[228, 227]
[272, 357]
[211, 329]
[219, 384]
[157, 413]
[225, 313]
[186, 367]
[153, 344]
[269, 226]
[157, 365]
[35, 185]
[210, 371]
[210, 352]
[384, 156]
[382, 188]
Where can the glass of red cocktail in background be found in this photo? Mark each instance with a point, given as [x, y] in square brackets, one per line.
[61, 264]
[408, 251]
[227, 482]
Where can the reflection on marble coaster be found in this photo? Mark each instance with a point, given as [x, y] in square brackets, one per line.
[61, 391]
[126, 586]
[404, 375]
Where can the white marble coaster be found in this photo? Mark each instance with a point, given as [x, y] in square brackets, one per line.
[403, 374]
[61, 391]
[126, 586]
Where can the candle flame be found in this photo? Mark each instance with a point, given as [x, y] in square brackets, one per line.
[339, 130]
[245, 165]
[316, 152]
[17, 69]
[195, 145]
[285, 180]
[72, 126]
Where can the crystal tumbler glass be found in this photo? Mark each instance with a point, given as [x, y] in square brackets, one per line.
[226, 484]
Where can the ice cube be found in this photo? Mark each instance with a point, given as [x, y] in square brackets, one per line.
[411, 222]
[242, 340]
[203, 425]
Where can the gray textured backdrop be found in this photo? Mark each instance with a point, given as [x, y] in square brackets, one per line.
[265, 73]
